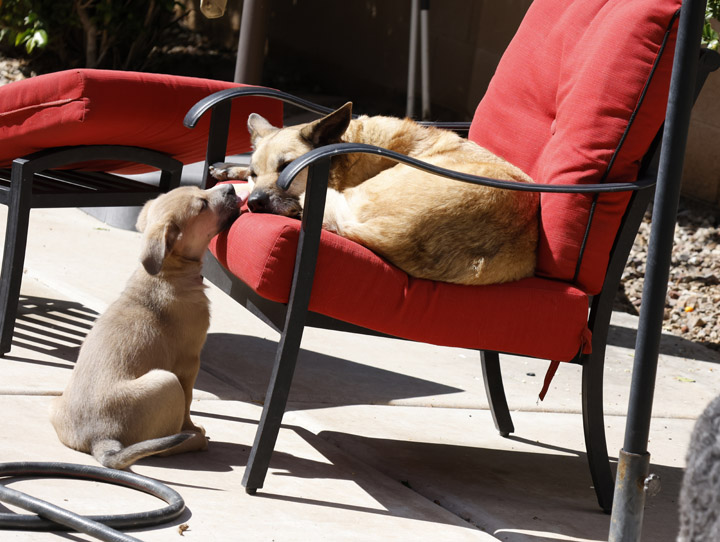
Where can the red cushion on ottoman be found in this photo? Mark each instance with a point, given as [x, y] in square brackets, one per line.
[569, 132]
[534, 316]
[104, 107]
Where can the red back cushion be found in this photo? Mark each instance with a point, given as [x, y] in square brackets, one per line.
[90, 107]
[560, 107]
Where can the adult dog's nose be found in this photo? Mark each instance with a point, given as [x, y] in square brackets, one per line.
[259, 201]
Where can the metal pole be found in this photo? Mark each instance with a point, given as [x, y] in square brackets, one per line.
[251, 42]
[412, 58]
[630, 487]
[425, 57]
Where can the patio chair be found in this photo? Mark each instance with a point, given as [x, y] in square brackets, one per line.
[66, 139]
[578, 102]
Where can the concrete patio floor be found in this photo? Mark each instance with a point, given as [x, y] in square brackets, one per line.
[384, 440]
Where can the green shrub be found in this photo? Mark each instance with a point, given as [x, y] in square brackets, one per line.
[709, 35]
[21, 26]
[116, 34]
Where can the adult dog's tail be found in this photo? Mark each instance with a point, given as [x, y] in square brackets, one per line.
[111, 453]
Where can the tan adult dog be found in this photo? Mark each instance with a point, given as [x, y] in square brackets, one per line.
[130, 392]
[429, 226]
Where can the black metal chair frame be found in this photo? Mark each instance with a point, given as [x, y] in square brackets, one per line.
[290, 319]
[38, 181]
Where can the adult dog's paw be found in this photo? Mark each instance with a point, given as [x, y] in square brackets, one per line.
[229, 172]
[218, 173]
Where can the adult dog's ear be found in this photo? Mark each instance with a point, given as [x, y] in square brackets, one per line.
[330, 128]
[259, 127]
[158, 242]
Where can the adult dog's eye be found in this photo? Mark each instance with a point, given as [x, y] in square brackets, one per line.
[283, 166]
[204, 204]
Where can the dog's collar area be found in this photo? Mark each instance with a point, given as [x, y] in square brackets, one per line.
[195, 279]
[178, 262]
[182, 267]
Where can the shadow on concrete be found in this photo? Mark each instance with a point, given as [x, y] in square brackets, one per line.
[670, 345]
[393, 497]
[52, 327]
[534, 491]
[245, 362]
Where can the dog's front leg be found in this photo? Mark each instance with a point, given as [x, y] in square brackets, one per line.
[188, 383]
[337, 213]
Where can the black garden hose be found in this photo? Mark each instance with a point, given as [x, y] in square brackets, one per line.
[51, 517]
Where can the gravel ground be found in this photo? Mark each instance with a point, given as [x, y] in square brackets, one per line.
[12, 70]
[692, 309]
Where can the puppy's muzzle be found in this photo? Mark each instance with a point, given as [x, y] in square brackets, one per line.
[228, 210]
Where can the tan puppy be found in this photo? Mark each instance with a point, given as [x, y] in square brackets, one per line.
[429, 226]
[130, 392]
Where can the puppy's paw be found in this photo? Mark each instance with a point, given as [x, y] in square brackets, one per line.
[194, 441]
[223, 171]
[199, 441]
[190, 427]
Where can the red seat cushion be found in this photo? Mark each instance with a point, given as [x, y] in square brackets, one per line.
[559, 106]
[535, 316]
[90, 107]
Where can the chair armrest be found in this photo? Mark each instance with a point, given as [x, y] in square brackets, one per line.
[200, 108]
[219, 104]
[325, 153]
[63, 156]
[317, 162]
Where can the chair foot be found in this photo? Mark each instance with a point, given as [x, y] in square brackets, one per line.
[6, 336]
[496, 393]
[594, 428]
[251, 491]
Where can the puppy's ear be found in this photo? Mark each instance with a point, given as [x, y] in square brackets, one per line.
[142, 217]
[259, 127]
[158, 242]
[330, 128]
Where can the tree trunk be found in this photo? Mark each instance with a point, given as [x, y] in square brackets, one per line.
[90, 32]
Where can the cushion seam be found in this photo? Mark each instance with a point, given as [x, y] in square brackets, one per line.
[42, 106]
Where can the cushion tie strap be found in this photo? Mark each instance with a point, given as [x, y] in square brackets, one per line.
[552, 369]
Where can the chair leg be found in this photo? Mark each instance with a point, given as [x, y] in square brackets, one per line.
[289, 346]
[274, 407]
[14, 255]
[594, 426]
[495, 391]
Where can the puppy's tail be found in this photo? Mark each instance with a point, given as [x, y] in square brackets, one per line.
[111, 453]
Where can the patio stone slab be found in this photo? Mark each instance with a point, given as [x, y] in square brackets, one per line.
[534, 485]
[317, 492]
